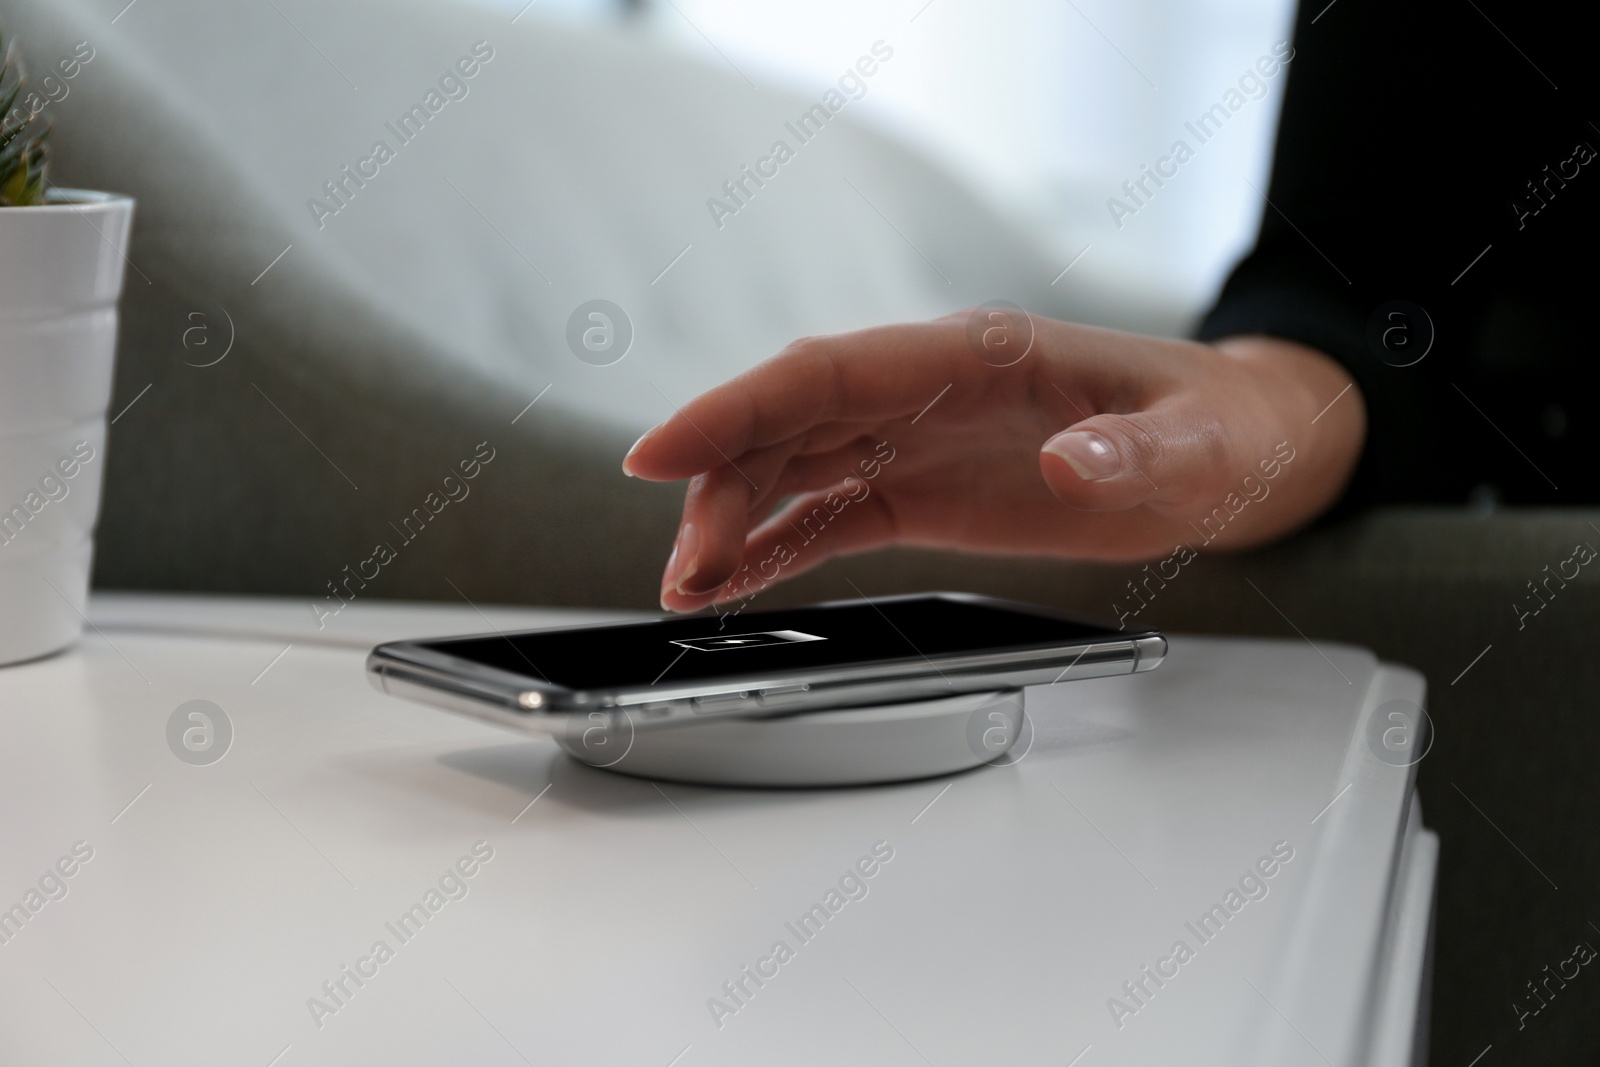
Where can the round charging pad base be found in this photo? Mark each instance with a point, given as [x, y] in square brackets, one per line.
[846, 746]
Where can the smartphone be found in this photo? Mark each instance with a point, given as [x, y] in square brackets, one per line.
[685, 669]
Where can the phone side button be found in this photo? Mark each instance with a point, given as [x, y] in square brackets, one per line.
[711, 702]
[782, 694]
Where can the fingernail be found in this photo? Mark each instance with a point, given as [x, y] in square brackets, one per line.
[635, 447]
[688, 551]
[1090, 456]
[669, 573]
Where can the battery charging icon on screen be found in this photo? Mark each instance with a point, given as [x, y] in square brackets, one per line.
[723, 642]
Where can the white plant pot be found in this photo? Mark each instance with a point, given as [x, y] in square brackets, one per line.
[61, 270]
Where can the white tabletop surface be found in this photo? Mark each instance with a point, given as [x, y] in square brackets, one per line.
[1018, 900]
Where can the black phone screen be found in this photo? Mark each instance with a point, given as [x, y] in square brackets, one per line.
[771, 644]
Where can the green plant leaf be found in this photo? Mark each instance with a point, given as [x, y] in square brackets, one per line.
[24, 151]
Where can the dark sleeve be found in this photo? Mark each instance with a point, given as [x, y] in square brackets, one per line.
[1397, 238]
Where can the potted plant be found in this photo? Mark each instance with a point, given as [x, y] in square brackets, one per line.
[61, 266]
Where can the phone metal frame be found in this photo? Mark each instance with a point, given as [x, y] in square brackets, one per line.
[409, 670]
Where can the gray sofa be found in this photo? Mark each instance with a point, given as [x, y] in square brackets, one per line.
[390, 339]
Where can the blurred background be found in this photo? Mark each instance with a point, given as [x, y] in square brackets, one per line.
[1044, 107]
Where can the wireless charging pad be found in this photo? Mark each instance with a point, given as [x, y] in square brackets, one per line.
[848, 746]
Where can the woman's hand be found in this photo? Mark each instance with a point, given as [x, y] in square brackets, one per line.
[1093, 445]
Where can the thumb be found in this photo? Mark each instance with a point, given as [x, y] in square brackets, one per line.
[1116, 462]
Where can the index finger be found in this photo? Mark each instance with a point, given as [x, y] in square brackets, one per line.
[881, 373]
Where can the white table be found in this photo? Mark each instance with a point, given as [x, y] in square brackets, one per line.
[1018, 901]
